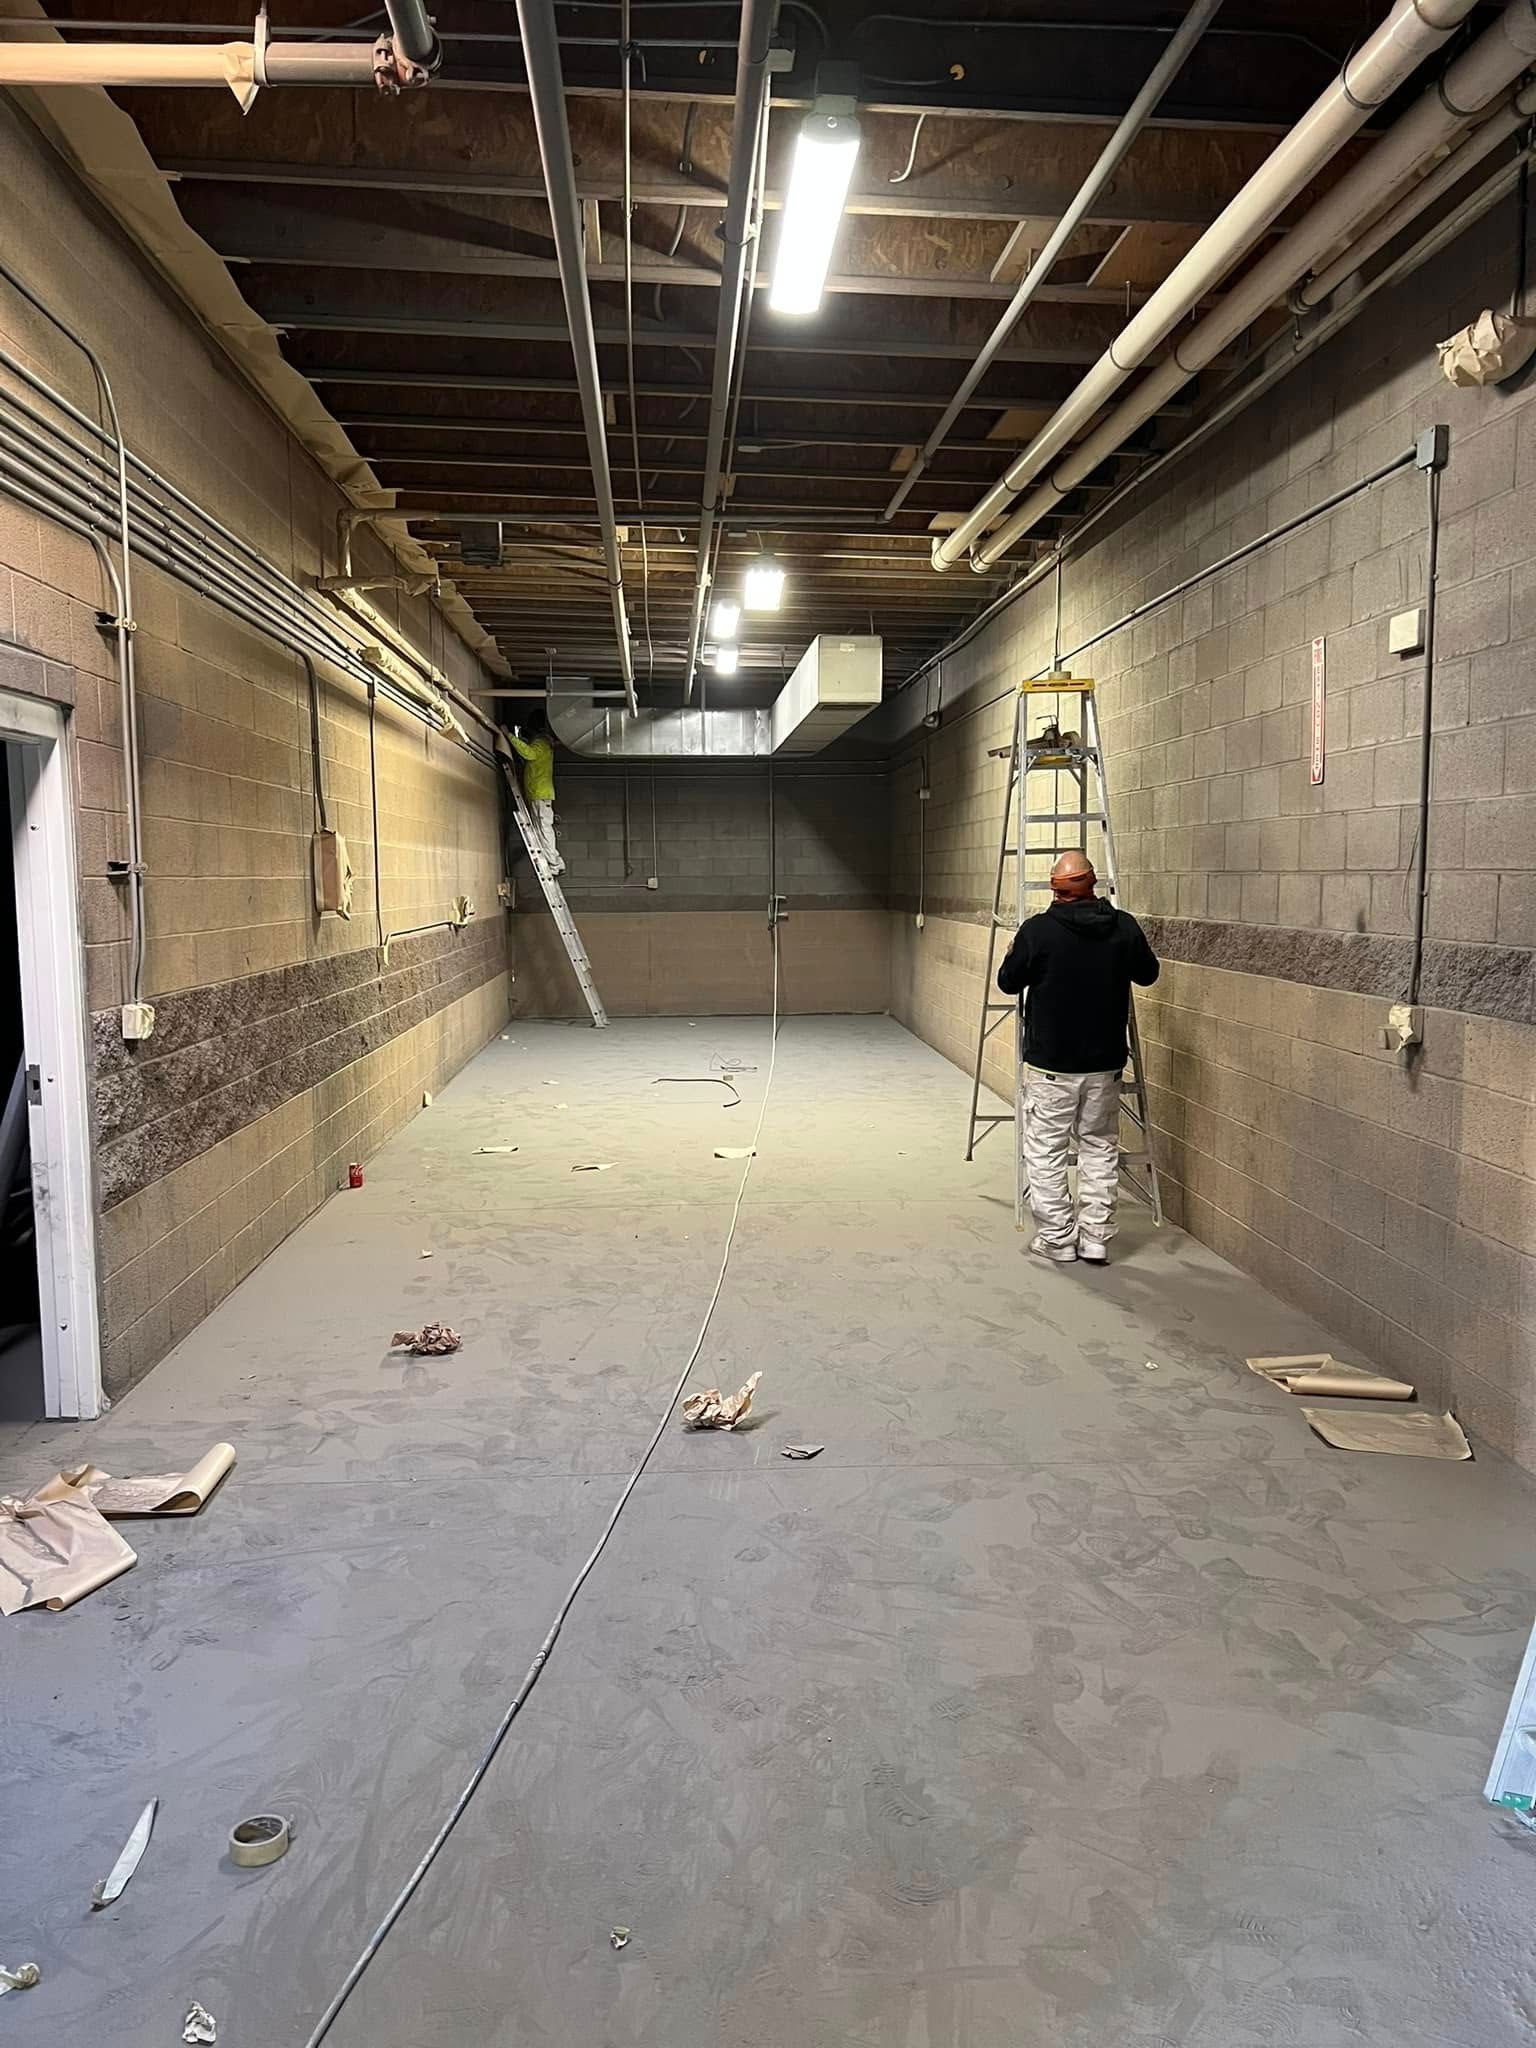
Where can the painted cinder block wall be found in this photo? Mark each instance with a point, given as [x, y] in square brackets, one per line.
[717, 840]
[283, 1048]
[1397, 1203]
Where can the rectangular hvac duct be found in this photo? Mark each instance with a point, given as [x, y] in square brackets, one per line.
[836, 682]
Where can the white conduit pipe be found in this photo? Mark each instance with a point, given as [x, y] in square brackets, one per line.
[1113, 154]
[243, 67]
[1481, 143]
[1414, 30]
[1477, 77]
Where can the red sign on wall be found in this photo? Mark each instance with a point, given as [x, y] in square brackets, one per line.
[1319, 693]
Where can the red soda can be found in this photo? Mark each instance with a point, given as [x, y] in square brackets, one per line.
[354, 1175]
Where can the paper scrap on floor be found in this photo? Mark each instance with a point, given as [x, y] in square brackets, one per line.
[736, 1152]
[1406, 1432]
[199, 2024]
[430, 1341]
[54, 1552]
[159, 1493]
[802, 1450]
[712, 1410]
[1321, 1376]
[22, 1978]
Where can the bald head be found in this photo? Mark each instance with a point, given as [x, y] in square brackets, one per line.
[1072, 878]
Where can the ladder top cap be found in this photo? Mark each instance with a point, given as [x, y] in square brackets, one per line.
[1056, 685]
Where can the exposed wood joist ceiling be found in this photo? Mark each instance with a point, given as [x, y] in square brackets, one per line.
[403, 250]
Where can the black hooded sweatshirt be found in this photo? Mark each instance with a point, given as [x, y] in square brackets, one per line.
[1077, 961]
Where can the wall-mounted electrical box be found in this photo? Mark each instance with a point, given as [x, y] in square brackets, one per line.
[1405, 632]
[333, 875]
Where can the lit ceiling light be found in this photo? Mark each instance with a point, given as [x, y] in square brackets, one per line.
[724, 619]
[826, 149]
[762, 588]
[726, 656]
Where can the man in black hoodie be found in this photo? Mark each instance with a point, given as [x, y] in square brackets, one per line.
[1077, 961]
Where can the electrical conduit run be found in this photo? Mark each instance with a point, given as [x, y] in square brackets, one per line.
[1114, 153]
[541, 1659]
[1473, 81]
[1414, 30]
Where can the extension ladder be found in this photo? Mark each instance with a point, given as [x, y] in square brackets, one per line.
[554, 895]
[1031, 837]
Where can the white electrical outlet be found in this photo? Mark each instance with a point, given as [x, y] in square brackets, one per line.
[138, 1021]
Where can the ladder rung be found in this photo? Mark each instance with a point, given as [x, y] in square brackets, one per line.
[1065, 817]
[990, 1119]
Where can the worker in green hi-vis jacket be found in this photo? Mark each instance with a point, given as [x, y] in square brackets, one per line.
[533, 743]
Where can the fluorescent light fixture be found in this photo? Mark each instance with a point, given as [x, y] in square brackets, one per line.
[762, 588]
[724, 619]
[826, 150]
[726, 656]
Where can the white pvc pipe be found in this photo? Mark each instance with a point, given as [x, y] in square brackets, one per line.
[1481, 143]
[1477, 77]
[230, 64]
[1412, 31]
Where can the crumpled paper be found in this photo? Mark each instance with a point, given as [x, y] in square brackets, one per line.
[430, 1341]
[160, 1493]
[54, 1552]
[1494, 346]
[199, 2024]
[714, 1410]
[22, 1978]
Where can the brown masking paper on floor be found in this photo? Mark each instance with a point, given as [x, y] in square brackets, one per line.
[1407, 1433]
[54, 1552]
[1323, 1378]
[160, 1493]
[712, 1410]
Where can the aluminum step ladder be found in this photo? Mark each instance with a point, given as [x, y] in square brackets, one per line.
[1032, 839]
[554, 895]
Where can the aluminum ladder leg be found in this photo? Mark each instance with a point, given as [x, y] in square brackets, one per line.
[554, 896]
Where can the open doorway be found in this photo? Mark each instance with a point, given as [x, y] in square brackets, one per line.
[50, 1352]
[21, 1339]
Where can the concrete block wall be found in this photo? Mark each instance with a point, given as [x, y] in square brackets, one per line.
[285, 1047]
[698, 943]
[1287, 1138]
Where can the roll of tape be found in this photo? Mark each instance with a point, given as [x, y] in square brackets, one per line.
[261, 1839]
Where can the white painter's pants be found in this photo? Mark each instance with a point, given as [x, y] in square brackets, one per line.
[1057, 1108]
[544, 820]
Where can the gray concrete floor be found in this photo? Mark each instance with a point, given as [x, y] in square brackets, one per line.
[1058, 1701]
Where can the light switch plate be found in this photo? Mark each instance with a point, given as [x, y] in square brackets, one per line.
[1405, 632]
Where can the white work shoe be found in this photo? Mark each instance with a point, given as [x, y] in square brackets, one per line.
[1095, 1254]
[1058, 1254]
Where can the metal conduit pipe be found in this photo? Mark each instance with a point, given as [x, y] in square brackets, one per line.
[1481, 143]
[1429, 245]
[1477, 77]
[758, 19]
[62, 487]
[206, 533]
[1134, 119]
[33, 486]
[546, 90]
[1414, 30]
[123, 626]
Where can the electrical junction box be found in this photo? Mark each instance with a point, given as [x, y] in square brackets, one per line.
[1405, 632]
[138, 1022]
[333, 875]
[836, 682]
